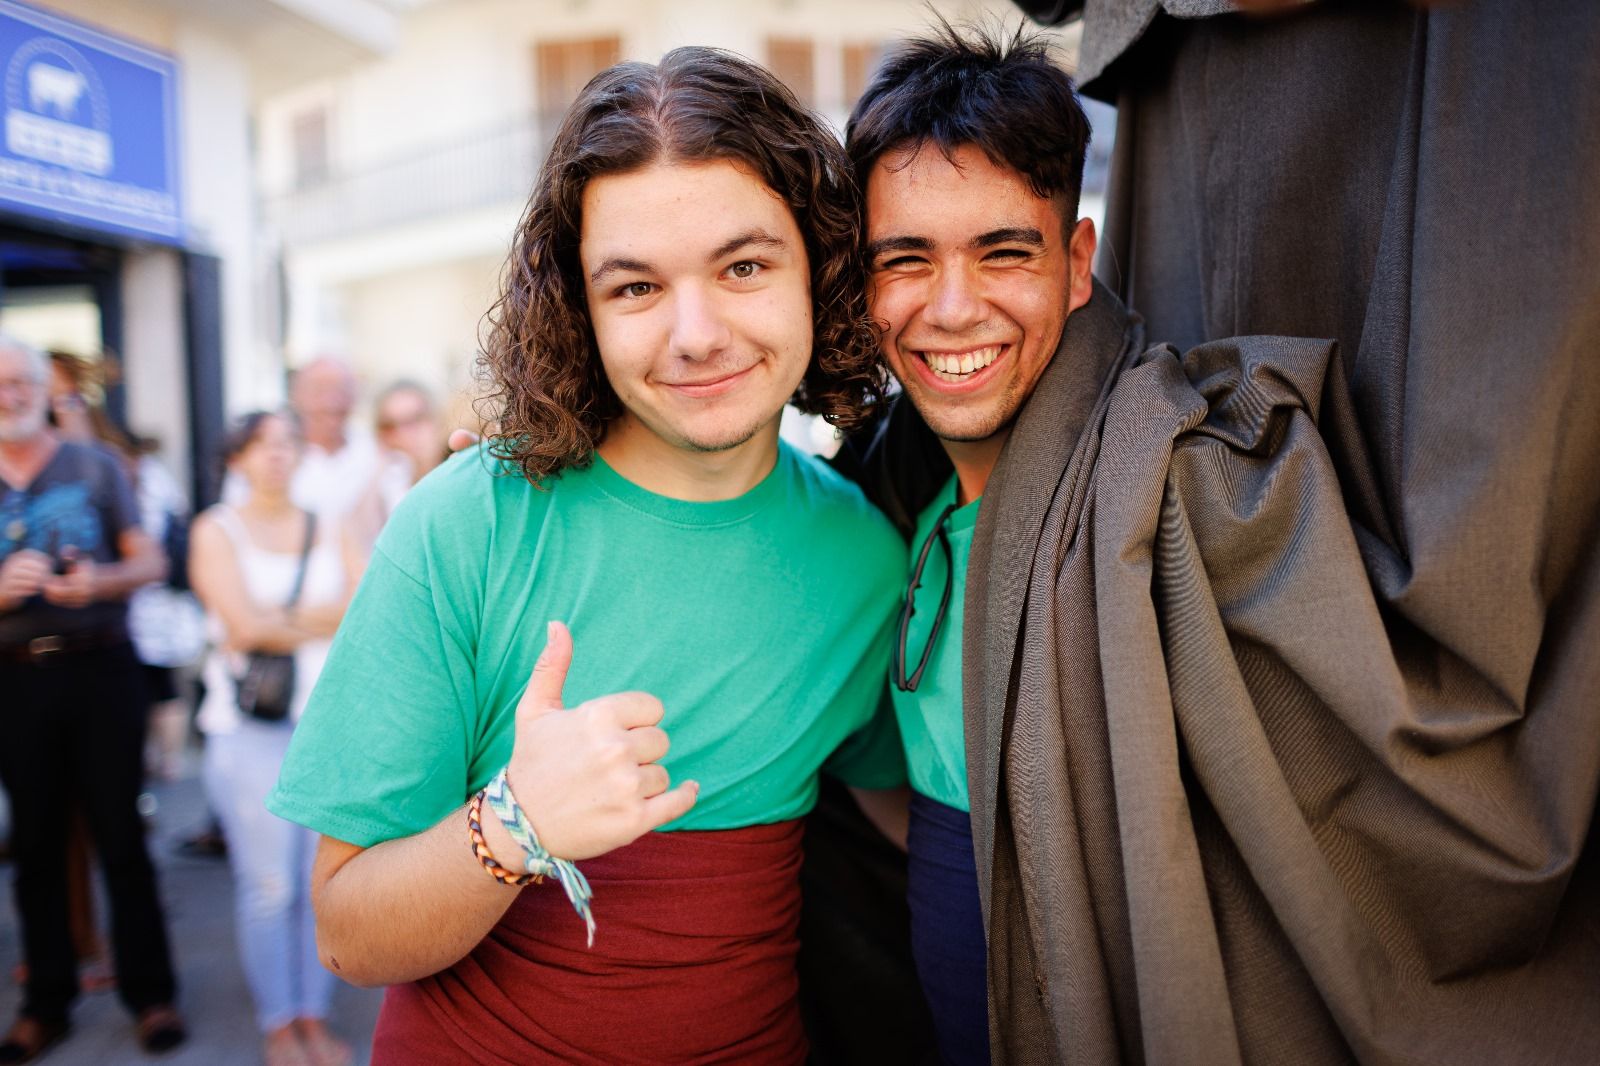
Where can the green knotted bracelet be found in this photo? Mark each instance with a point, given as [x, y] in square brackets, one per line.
[538, 861]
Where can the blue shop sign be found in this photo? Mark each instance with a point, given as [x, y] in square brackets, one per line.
[89, 127]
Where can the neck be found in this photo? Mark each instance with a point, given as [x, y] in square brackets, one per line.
[329, 443]
[974, 461]
[29, 450]
[268, 504]
[636, 453]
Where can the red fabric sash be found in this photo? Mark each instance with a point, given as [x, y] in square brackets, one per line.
[693, 961]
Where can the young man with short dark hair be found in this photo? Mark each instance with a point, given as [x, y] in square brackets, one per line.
[1241, 791]
[970, 152]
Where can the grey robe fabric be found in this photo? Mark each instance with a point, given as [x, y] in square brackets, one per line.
[1285, 713]
[1110, 27]
[1247, 812]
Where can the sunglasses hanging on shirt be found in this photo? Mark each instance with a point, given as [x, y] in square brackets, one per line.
[898, 670]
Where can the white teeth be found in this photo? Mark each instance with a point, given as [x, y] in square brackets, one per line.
[956, 367]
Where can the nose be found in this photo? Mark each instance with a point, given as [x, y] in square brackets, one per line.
[698, 329]
[954, 305]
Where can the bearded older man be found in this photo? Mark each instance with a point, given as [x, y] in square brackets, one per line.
[71, 551]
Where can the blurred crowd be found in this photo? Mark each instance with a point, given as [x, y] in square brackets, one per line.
[133, 630]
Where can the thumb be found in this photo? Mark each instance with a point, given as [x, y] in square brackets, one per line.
[543, 693]
[461, 439]
[673, 803]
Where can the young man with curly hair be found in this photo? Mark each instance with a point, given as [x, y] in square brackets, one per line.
[689, 262]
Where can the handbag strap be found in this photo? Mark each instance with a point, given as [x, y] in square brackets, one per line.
[305, 553]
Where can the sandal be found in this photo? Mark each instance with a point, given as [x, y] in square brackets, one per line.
[324, 1048]
[160, 1028]
[29, 1038]
[285, 1050]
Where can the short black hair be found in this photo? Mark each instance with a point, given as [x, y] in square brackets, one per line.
[1003, 95]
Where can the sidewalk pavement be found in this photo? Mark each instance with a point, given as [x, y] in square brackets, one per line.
[198, 895]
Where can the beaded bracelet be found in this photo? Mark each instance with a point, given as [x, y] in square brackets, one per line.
[480, 848]
[539, 862]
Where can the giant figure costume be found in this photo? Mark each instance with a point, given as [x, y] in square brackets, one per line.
[1283, 678]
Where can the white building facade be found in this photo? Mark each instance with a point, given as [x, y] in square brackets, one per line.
[150, 103]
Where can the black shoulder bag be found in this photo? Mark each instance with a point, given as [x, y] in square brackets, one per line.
[266, 688]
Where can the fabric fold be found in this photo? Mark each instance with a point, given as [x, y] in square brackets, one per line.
[1326, 837]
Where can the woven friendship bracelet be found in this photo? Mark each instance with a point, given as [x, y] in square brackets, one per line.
[539, 861]
[480, 848]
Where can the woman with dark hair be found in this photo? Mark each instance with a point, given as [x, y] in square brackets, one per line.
[689, 262]
[271, 582]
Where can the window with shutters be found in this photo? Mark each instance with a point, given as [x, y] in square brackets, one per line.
[563, 68]
[860, 63]
[792, 60]
[308, 134]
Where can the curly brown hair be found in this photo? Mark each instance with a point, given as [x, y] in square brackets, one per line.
[548, 397]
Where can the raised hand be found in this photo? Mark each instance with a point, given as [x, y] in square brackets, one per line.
[589, 777]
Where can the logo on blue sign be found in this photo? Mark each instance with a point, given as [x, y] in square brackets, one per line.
[89, 121]
[56, 108]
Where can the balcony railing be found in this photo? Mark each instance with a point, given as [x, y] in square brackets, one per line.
[488, 167]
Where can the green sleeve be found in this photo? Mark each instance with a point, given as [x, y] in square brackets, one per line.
[384, 747]
[873, 756]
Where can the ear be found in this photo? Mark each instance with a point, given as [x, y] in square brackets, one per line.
[1080, 260]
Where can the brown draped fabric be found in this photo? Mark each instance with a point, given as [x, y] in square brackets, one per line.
[1284, 684]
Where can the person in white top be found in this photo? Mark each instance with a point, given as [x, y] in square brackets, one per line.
[245, 559]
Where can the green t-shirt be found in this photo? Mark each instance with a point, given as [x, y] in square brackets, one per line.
[930, 717]
[760, 622]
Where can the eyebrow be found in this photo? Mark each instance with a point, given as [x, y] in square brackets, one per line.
[905, 243]
[757, 237]
[618, 264]
[1009, 235]
[1003, 235]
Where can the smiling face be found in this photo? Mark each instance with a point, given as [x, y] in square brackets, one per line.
[698, 290]
[973, 278]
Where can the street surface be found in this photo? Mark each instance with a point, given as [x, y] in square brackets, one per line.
[198, 894]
